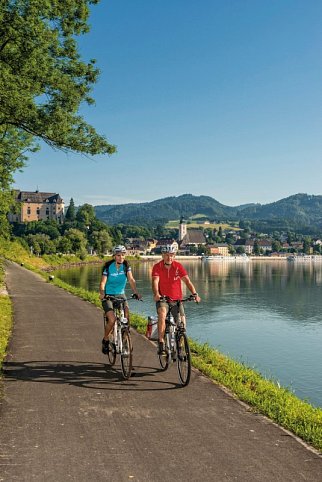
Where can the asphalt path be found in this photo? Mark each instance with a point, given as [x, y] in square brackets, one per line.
[65, 415]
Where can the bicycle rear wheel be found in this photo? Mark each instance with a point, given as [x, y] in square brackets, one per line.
[126, 355]
[183, 359]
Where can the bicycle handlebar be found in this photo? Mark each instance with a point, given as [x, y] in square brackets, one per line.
[170, 300]
[115, 298]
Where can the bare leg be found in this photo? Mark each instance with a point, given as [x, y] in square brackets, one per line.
[127, 314]
[162, 313]
[110, 318]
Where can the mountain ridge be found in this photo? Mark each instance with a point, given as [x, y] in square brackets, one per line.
[302, 209]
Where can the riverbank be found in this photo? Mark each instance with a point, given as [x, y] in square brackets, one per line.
[262, 395]
[219, 260]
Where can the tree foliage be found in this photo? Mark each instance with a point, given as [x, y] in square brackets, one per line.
[43, 82]
[42, 77]
[73, 236]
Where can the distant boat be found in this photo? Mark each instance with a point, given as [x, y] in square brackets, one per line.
[237, 258]
[304, 258]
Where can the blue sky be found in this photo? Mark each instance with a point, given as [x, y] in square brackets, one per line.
[219, 98]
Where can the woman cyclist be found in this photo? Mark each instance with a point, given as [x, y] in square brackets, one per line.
[115, 274]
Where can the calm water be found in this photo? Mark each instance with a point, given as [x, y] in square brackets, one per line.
[266, 314]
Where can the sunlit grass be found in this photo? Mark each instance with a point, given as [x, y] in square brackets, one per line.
[192, 223]
[5, 318]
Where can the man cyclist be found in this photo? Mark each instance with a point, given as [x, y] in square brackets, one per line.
[115, 274]
[166, 281]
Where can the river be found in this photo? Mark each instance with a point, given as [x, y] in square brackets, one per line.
[266, 314]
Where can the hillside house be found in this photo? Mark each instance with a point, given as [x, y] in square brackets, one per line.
[36, 206]
[137, 246]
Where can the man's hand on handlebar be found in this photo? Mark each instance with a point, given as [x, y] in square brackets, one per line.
[196, 297]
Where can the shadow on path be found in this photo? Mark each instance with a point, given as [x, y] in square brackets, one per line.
[85, 374]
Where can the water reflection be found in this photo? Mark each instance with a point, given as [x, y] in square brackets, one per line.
[287, 289]
[265, 313]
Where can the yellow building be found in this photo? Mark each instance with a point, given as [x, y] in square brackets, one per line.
[219, 248]
[36, 206]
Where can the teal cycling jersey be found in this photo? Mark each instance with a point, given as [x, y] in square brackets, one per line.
[116, 278]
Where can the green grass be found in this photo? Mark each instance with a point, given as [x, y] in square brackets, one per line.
[5, 318]
[174, 224]
[262, 395]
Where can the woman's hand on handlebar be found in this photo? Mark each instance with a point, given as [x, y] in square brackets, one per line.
[137, 296]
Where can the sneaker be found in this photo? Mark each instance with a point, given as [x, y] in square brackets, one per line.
[161, 349]
[105, 346]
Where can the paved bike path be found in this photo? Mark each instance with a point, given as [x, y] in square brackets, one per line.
[66, 416]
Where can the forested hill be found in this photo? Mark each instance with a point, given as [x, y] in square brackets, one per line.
[301, 209]
[163, 210]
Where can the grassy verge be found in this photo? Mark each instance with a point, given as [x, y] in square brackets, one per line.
[263, 395]
[5, 318]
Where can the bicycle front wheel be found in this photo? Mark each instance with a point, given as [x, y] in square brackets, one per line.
[126, 355]
[183, 359]
[164, 359]
[112, 352]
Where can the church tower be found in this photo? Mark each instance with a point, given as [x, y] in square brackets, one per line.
[182, 229]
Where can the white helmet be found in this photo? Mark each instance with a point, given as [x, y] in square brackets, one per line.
[119, 249]
[168, 249]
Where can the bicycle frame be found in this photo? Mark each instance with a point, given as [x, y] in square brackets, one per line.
[120, 323]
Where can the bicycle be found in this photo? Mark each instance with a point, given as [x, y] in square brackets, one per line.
[120, 342]
[176, 343]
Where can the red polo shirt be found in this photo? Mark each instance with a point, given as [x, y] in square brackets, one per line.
[170, 279]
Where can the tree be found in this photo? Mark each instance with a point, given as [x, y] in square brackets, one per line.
[77, 240]
[306, 245]
[43, 83]
[63, 245]
[85, 217]
[70, 213]
[42, 76]
[256, 248]
[41, 244]
[276, 246]
[101, 242]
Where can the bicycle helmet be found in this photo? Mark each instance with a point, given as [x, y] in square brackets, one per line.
[168, 249]
[119, 249]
